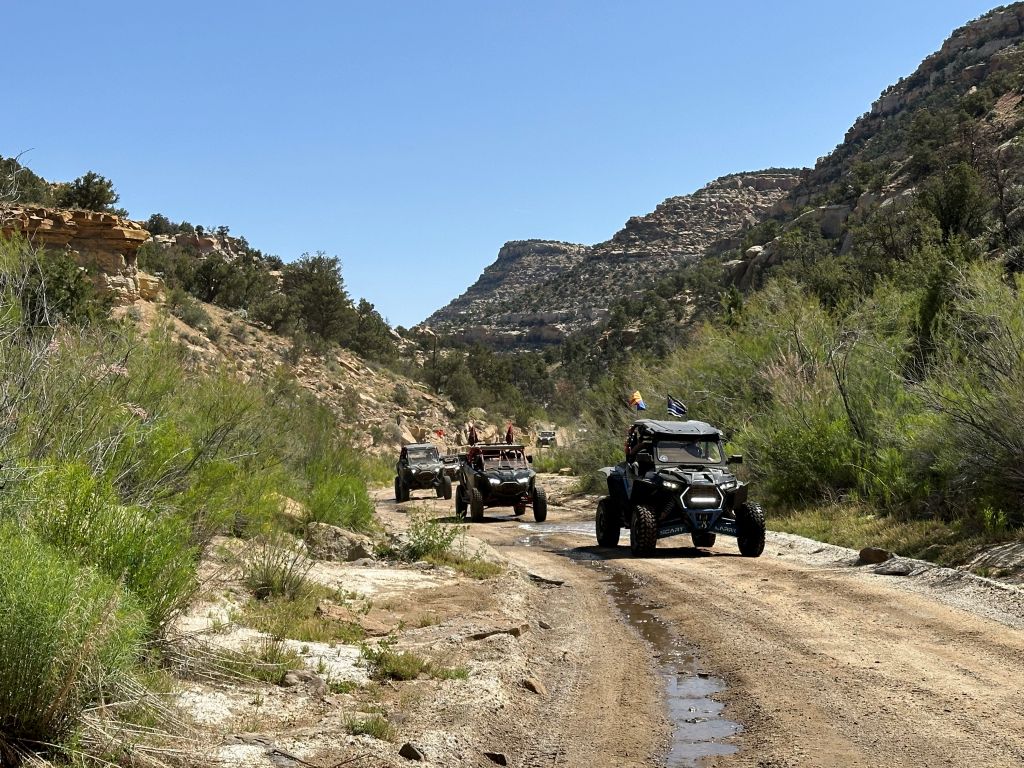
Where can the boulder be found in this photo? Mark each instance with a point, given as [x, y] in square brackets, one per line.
[311, 682]
[874, 555]
[329, 542]
[150, 288]
[411, 752]
[895, 567]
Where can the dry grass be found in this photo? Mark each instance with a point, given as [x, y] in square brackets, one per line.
[856, 526]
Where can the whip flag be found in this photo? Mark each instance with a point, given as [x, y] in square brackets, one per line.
[675, 408]
[636, 401]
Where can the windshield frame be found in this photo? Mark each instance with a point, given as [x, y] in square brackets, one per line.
[503, 460]
[712, 451]
[422, 455]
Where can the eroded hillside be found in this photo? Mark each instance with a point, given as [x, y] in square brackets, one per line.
[538, 292]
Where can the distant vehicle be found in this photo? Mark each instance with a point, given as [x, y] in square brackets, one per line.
[546, 438]
[676, 481]
[499, 475]
[451, 464]
[419, 466]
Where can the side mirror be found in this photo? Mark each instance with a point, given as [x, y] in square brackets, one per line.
[529, 458]
[736, 458]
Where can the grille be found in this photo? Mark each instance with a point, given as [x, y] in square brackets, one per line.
[702, 497]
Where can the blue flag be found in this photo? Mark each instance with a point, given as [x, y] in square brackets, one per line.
[675, 408]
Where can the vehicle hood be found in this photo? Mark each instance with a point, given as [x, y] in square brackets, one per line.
[509, 474]
[702, 476]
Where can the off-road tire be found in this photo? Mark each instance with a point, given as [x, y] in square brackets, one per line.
[750, 529]
[460, 504]
[446, 488]
[398, 489]
[643, 532]
[540, 504]
[703, 539]
[406, 490]
[607, 523]
[476, 505]
[439, 490]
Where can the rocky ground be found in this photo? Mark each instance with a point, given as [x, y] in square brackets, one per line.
[577, 655]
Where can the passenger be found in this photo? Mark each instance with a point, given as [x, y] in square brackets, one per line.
[509, 437]
[632, 443]
[472, 439]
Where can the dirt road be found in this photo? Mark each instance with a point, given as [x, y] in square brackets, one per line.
[824, 663]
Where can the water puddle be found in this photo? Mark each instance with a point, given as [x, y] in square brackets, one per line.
[699, 727]
[547, 529]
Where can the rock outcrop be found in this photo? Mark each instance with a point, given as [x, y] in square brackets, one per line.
[538, 291]
[983, 47]
[104, 244]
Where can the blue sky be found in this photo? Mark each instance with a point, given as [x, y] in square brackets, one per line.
[412, 139]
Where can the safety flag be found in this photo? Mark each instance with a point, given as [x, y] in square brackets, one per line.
[675, 408]
[636, 401]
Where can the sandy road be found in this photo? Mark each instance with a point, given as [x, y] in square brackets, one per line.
[826, 664]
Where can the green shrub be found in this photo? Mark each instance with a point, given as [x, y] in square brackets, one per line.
[275, 566]
[80, 515]
[428, 538]
[190, 311]
[383, 662]
[68, 633]
[376, 726]
[339, 499]
[89, 191]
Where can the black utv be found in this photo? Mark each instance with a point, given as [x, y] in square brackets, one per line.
[498, 475]
[419, 466]
[676, 480]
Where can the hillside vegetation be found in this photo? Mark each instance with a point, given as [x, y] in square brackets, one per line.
[120, 461]
[864, 349]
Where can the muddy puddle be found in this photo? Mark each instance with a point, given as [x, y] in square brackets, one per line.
[699, 730]
[538, 531]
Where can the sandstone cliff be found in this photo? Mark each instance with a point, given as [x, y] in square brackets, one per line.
[538, 291]
[104, 244]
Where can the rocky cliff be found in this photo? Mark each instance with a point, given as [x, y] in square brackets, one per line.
[104, 244]
[977, 51]
[539, 291]
[968, 93]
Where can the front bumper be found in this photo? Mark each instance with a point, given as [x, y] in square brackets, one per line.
[699, 521]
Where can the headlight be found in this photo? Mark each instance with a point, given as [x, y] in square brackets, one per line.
[494, 481]
[729, 485]
[670, 485]
[524, 481]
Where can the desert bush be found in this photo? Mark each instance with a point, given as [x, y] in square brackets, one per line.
[376, 726]
[276, 566]
[69, 632]
[428, 538]
[80, 515]
[384, 662]
[973, 450]
[339, 499]
[188, 310]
